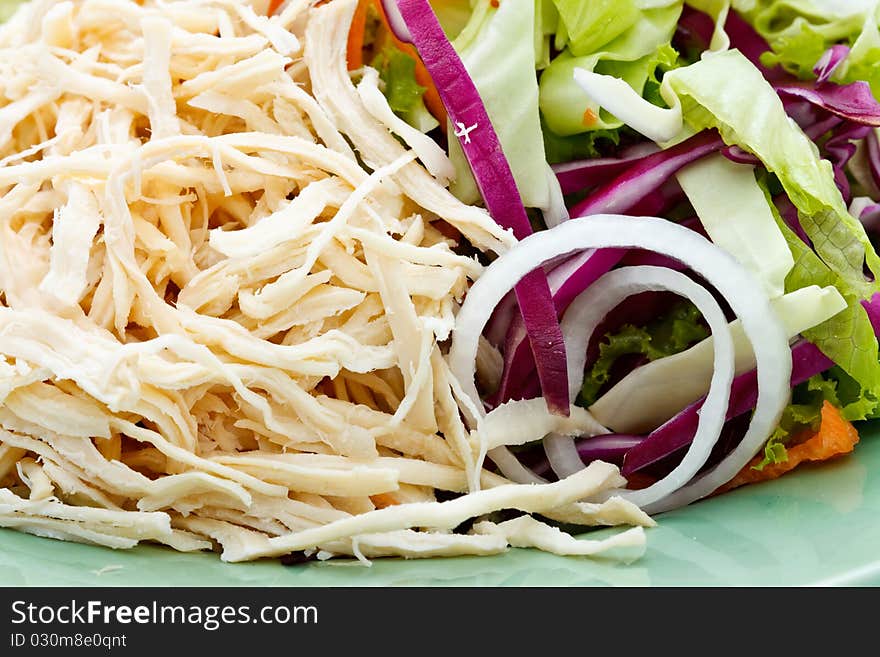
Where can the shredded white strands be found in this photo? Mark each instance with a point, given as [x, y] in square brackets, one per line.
[225, 297]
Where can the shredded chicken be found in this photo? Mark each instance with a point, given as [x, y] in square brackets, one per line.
[224, 295]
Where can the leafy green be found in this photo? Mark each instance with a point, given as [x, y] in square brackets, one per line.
[638, 55]
[591, 25]
[712, 93]
[846, 394]
[847, 338]
[577, 147]
[453, 15]
[797, 51]
[802, 413]
[800, 31]
[863, 61]
[774, 448]
[737, 217]
[398, 71]
[547, 26]
[805, 410]
[668, 335]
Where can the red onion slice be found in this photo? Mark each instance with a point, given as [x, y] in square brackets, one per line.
[494, 178]
[739, 287]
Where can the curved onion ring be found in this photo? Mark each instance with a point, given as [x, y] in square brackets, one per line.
[738, 286]
[587, 312]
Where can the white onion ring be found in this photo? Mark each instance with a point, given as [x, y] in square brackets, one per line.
[738, 286]
[589, 309]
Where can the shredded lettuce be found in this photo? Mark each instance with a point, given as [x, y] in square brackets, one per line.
[863, 62]
[398, 71]
[712, 93]
[737, 216]
[718, 10]
[799, 31]
[638, 56]
[453, 15]
[591, 25]
[845, 393]
[8, 7]
[803, 413]
[848, 337]
[581, 146]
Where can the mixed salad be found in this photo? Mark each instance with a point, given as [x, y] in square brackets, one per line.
[674, 171]
[414, 278]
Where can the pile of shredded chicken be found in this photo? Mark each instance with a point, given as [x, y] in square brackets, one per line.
[224, 298]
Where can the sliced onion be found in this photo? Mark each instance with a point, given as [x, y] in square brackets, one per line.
[853, 101]
[641, 184]
[566, 280]
[494, 178]
[678, 431]
[699, 28]
[738, 286]
[870, 218]
[839, 149]
[590, 308]
[562, 455]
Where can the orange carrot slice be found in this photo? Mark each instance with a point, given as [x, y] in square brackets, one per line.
[354, 52]
[355, 58]
[835, 437]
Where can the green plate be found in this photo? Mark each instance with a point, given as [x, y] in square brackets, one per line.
[817, 526]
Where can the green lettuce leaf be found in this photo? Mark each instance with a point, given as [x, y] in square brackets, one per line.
[863, 61]
[547, 26]
[8, 7]
[581, 146]
[846, 394]
[668, 335]
[799, 31]
[398, 71]
[453, 15]
[804, 412]
[638, 56]
[591, 25]
[712, 93]
[847, 338]
[737, 217]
